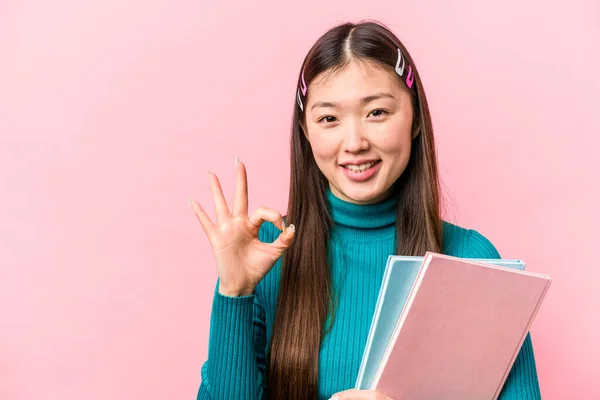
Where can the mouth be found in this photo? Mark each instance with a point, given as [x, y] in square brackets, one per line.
[361, 172]
[360, 167]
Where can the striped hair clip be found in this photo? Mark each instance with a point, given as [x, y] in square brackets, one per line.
[302, 89]
[410, 77]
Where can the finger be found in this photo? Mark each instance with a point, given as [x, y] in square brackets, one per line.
[221, 208]
[353, 394]
[350, 395]
[240, 201]
[263, 214]
[285, 239]
[205, 221]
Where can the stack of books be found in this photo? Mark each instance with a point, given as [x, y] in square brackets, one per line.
[447, 327]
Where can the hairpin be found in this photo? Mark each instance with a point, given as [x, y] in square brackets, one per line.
[410, 78]
[299, 101]
[302, 88]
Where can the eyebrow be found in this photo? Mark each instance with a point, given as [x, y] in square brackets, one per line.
[363, 101]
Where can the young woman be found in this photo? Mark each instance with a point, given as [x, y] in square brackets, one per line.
[293, 305]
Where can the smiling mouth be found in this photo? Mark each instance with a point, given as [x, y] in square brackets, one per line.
[361, 167]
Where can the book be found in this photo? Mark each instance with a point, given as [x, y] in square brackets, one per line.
[400, 274]
[460, 329]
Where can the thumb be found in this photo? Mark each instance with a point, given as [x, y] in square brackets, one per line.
[285, 239]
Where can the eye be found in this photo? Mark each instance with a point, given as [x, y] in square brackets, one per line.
[378, 113]
[328, 119]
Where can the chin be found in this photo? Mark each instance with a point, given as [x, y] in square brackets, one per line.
[362, 195]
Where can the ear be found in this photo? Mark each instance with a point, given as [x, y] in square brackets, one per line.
[303, 127]
[416, 129]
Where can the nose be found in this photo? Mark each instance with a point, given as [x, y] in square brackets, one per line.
[355, 138]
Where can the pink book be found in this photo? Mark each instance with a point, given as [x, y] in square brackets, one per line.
[460, 331]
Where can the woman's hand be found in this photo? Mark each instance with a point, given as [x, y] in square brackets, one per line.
[354, 394]
[242, 260]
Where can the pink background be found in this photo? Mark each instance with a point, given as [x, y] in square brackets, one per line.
[111, 113]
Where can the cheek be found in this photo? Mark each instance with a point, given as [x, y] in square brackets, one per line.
[394, 136]
[395, 144]
[324, 147]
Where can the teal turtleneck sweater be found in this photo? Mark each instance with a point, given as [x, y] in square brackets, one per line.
[362, 238]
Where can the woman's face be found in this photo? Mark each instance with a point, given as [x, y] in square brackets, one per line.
[358, 122]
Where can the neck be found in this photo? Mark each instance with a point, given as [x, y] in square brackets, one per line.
[363, 220]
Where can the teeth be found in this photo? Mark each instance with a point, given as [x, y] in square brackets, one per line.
[361, 167]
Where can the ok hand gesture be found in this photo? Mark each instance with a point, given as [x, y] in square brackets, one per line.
[242, 260]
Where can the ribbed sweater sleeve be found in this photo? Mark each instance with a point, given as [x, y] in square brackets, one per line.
[236, 366]
[522, 382]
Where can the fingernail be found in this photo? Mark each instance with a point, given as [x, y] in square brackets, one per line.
[293, 228]
[236, 161]
[191, 204]
[283, 223]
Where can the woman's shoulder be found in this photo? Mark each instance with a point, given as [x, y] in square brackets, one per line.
[457, 241]
[467, 243]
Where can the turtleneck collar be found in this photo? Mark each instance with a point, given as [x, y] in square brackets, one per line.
[363, 221]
